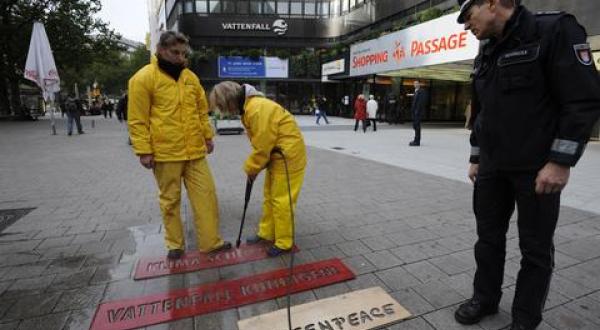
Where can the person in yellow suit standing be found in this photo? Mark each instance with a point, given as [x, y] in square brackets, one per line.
[171, 134]
[270, 128]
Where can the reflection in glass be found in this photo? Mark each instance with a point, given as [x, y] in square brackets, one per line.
[215, 6]
[255, 7]
[296, 7]
[282, 7]
[269, 7]
[201, 6]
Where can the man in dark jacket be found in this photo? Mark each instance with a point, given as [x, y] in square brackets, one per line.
[73, 108]
[535, 100]
[417, 109]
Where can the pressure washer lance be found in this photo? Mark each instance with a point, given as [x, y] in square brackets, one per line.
[246, 200]
[277, 150]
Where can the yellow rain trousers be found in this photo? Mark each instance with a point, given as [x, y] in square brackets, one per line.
[200, 187]
[269, 126]
[276, 222]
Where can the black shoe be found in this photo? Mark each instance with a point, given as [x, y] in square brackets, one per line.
[473, 311]
[226, 246]
[82, 132]
[414, 144]
[256, 239]
[274, 251]
[175, 254]
[518, 326]
[69, 134]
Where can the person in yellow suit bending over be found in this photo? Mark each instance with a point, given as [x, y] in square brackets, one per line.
[270, 128]
[171, 134]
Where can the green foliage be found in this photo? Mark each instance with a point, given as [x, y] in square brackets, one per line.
[429, 14]
[76, 37]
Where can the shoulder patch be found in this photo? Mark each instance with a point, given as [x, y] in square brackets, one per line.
[583, 52]
[549, 12]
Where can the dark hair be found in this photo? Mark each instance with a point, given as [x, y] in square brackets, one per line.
[170, 38]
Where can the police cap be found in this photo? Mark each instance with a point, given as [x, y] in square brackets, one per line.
[464, 7]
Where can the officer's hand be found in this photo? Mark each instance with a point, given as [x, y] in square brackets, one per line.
[473, 170]
[147, 161]
[552, 178]
[210, 146]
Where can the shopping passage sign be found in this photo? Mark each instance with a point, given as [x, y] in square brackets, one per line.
[246, 67]
[435, 42]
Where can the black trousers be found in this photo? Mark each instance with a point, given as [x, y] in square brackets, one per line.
[417, 128]
[364, 125]
[494, 200]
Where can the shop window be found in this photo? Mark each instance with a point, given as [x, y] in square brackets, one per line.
[242, 7]
[269, 7]
[352, 4]
[228, 6]
[345, 6]
[310, 8]
[255, 7]
[296, 8]
[214, 6]
[188, 6]
[323, 8]
[201, 6]
[335, 8]
[283, 7]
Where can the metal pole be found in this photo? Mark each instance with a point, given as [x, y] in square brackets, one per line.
[52, 123]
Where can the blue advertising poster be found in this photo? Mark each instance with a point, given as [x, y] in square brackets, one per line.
[241, 67]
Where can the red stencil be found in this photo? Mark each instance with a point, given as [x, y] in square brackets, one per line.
[149, 267]
[213, 297]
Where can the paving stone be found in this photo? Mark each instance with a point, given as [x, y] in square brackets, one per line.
[101, 259]
[501, 320]
[461, 283]
[353, 248]
[249, 311]
[64, 265]
[16, 259]
[359, 265]
[55, 242]
[52, 232]
[366, 281]
[111, 273]
[297, 299]
[202, 277]
[563, 318]
[586, 274]
[124, 289]
[80, 319]
[326, 252]
[72, 280]
[95, 248]
[455, 243]
[383, 260]
[307, 242]
[87, 297]
[331, 290]
[412, 301]
[452, 265]
[182, 324]
[412, 324]
[46, 322]
[86, 238]
[29, 286]
[329, 238]
[563, 261]
[444, 319]
[59, 252]
[30, 306]
[378, 243]
[397, 278]
[582, 249]
[425, 271]
[438, 294]
[5, 304]
[4, 286]
[25, 271]
[586, 307]
[9, 326]
[225, 320]
[411, 236]
[164, 284]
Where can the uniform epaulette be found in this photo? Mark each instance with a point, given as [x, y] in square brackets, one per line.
[549, 12]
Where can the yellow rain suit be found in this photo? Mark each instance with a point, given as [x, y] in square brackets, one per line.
[169, 120]
[269, 125]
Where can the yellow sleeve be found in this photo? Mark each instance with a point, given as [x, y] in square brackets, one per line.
[138, 112]
[263, 125]
[207, 130]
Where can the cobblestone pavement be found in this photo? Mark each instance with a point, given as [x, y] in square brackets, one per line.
[96, 213]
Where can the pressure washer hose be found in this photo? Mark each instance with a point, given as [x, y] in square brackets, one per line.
[289, 287]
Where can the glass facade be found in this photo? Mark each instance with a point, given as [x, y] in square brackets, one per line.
[295, 8]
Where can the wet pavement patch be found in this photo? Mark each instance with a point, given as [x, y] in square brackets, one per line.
[218, 296]
[149, 267]
[10, 216]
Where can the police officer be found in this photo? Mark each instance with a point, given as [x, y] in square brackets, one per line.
[535, 100]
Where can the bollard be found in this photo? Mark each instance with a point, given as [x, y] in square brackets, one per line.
[93, 123]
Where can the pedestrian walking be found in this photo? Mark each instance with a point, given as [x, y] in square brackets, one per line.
[73, 108]
[273, 134]
[171, 134]
[534, 104]
[122, 108]
[321, 109]
[107, 108]
[372, 108]
[419, 104]
[360, 112]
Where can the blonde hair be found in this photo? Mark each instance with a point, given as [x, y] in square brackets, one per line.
[224, 97]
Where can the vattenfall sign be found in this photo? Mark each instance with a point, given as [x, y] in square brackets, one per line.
[435, 42]
[279, 26]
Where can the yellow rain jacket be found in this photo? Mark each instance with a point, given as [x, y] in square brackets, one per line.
[168, 118]
[269, 125]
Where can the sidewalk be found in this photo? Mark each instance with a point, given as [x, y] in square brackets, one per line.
[400, 218]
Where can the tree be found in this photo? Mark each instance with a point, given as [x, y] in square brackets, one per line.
[76, 38]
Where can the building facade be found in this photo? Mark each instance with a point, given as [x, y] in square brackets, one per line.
[302, 27]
